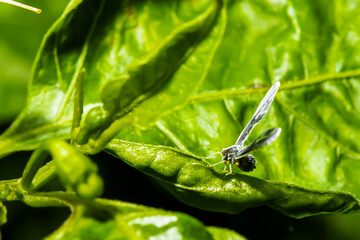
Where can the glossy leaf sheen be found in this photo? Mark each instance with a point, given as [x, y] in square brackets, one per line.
[121, 221]
[222, 233]
[153, 73]
[314, 56]
[106, 37]
[193, 182]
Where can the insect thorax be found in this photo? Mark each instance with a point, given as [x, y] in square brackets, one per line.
[231, 153]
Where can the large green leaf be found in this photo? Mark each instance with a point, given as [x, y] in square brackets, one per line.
[106, 38]
[316, 157]
[194, 182]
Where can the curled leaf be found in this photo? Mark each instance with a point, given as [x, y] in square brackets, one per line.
[192, 181]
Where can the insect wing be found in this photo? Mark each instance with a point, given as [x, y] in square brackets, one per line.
[265, 138]
[260, 112]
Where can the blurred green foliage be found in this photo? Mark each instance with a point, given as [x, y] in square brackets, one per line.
[21, 32]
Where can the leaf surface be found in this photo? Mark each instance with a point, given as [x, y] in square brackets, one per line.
[194, 182]
[3, 212]
[128, 221]
[222, 233]
[317, 106]
[106, 38]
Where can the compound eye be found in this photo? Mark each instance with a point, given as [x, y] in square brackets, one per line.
[225, 151]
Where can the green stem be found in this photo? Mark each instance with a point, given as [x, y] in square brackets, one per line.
[111, 133]
[33, 165]
[78, 100]
[44, 175]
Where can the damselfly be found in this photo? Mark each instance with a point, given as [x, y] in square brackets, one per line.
[239, 156]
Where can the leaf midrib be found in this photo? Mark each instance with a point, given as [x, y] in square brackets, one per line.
[286, 86]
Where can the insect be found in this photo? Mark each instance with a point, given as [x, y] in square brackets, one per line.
[239, 156]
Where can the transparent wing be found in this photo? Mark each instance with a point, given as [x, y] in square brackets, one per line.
[265, 138]
[259, 113]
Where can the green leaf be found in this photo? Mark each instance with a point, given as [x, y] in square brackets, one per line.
[223, 233]
[149, 74]
[195, 183]
[118, 220]
[108, 44]
[316, 157]
[157, 77]
[3, 213]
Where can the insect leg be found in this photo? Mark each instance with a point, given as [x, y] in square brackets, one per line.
[223, 161]
[212, 155]
[226, 165]
[231, 170]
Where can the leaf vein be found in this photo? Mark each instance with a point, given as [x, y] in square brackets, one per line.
[316, 129]
[57, 65]
[80, 61]
[234, 93]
